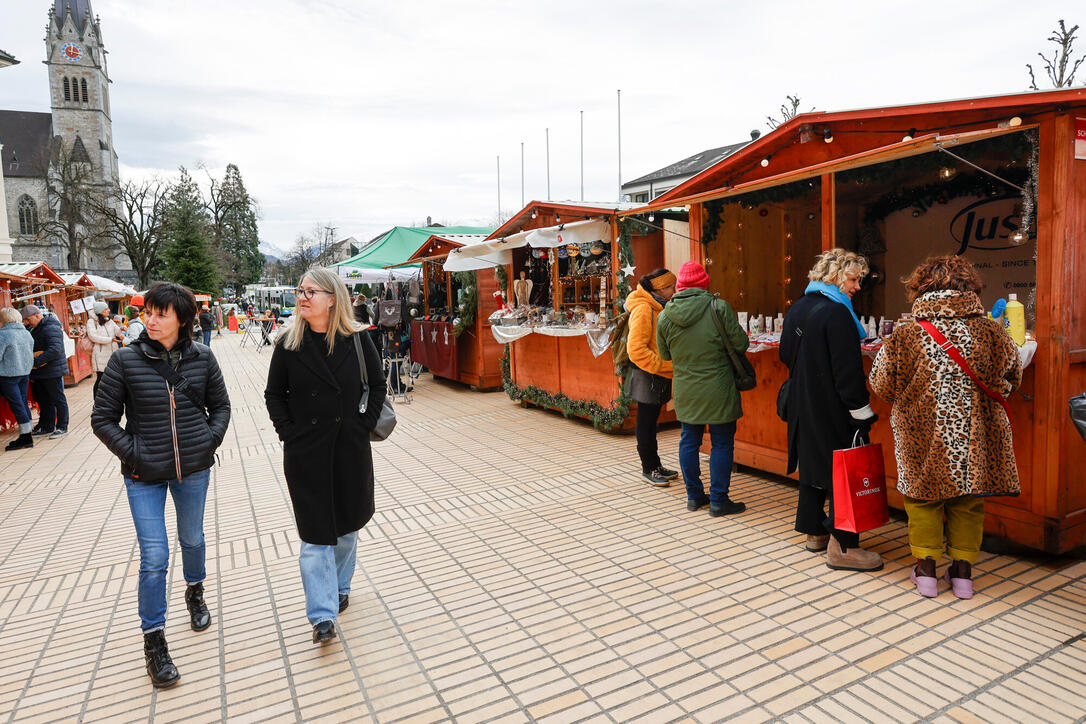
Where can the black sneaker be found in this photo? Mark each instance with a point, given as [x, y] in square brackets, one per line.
[59, 432]
[656, 478]
[693, 504]
[38, 432]
[344, 602]
[729, 507]
[669, 474]
[23, 441]
[324, 632]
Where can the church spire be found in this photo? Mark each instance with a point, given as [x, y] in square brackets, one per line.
[80, 9]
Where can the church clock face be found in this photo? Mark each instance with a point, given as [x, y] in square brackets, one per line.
[71, 52]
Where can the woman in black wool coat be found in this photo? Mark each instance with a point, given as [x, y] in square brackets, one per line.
[314, 386]
[827, 400]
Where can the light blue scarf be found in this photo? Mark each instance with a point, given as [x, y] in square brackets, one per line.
[834, 293]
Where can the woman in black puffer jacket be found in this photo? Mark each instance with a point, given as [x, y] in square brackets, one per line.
[172, 394]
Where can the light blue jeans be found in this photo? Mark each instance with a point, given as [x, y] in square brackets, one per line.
[148, 504]
[326, 573]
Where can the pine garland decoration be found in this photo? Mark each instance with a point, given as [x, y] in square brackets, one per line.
[603, 418]
[502, 276]
[469, 301]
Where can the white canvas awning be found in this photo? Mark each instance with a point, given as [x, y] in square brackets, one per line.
[500, 251]
[365, 275]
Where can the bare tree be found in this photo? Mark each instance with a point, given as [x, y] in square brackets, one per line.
[1056, 66]
[134, 217]
[301, 257]
[789, 111]
[74, 197]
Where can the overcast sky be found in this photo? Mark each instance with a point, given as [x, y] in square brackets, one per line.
[372, 114]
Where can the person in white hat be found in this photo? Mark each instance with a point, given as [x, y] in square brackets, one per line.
[106, 335]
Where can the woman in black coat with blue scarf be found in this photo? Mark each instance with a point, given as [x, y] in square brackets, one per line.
[313, 391]
[827, 401]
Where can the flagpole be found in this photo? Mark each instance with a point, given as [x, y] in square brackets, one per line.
[548, 131]
[499, 189]
[620, 145]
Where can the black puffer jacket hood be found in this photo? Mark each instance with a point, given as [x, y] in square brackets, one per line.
[161, 441]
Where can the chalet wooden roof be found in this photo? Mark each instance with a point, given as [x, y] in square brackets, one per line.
[799, 143]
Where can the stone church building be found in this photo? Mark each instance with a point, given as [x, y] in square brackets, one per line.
[78, 129]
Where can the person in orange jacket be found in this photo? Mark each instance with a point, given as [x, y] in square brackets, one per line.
[649, 380]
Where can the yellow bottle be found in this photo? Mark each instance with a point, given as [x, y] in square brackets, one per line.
[1015, 315]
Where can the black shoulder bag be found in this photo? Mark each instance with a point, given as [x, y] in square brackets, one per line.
[745, 378]
[386, 421]
[782, 393]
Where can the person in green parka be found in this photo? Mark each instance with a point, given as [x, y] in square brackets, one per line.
[688, 332]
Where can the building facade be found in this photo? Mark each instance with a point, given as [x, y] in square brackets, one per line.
[46, 155]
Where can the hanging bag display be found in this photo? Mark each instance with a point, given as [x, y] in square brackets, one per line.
[745, 378]
[386, 421]
[859, 487]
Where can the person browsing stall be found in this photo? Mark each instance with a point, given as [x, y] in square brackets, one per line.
[312, 394]
[952, 438]
[688, 332]
[47, 376]
[649, 379]
[16, 361]
[827, 400]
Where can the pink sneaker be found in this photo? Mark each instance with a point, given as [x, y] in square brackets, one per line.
[962, 587]
[925, 585]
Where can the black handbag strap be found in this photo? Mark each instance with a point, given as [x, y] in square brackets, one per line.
[798, 331]
[361, 361]
[724, 337]
[176, 380]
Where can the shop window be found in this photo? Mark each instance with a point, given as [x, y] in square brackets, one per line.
[83, 88]
[67, 90]
[28, 216]
[899, 213]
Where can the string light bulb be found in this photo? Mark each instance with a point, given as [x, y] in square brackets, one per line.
[1018, 237]
[946, 172]
[909, 136]
[765, 161]
[827, 135]
[652, 217]
[1013, 122]
[534, 214]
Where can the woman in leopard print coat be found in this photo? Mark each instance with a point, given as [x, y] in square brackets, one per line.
[952, 441]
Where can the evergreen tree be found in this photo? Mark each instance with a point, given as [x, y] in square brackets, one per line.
[187, 257]
[236, 237]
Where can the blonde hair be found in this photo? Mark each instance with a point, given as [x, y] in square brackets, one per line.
[9, 315]
[834, 265]
[340, 320]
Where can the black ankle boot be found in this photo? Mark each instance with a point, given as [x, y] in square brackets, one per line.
[159, 664]
[200, 617]
[23, 441]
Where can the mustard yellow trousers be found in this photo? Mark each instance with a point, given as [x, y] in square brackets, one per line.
[959, 536]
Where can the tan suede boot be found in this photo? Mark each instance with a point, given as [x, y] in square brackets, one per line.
[853, 559]
[817, 543]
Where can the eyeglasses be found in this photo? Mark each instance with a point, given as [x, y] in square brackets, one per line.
[309, 293]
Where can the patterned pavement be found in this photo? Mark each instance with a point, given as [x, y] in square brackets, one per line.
[516, 570]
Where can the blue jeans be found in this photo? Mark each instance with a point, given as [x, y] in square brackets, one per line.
[720, 460]
[13, 389]
[326, 573]
[207, 337]
[148, 504]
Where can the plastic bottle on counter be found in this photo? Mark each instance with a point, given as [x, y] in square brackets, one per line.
[744, 321]
[778, 323]
[1015, 319]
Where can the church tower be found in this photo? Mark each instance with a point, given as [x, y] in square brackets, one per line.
[79, 87]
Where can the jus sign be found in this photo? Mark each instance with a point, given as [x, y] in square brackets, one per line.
[985, 225]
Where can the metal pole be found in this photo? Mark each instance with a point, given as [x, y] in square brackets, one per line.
[582, 155]
[620, 145]
[522, 174]
[499, 189]
[548, 164]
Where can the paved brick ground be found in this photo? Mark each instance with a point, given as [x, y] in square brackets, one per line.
[516, 570]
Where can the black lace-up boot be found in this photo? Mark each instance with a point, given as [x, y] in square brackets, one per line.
[198, 613]
[159, 664]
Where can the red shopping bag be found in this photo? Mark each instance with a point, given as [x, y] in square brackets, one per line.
[859, 488]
